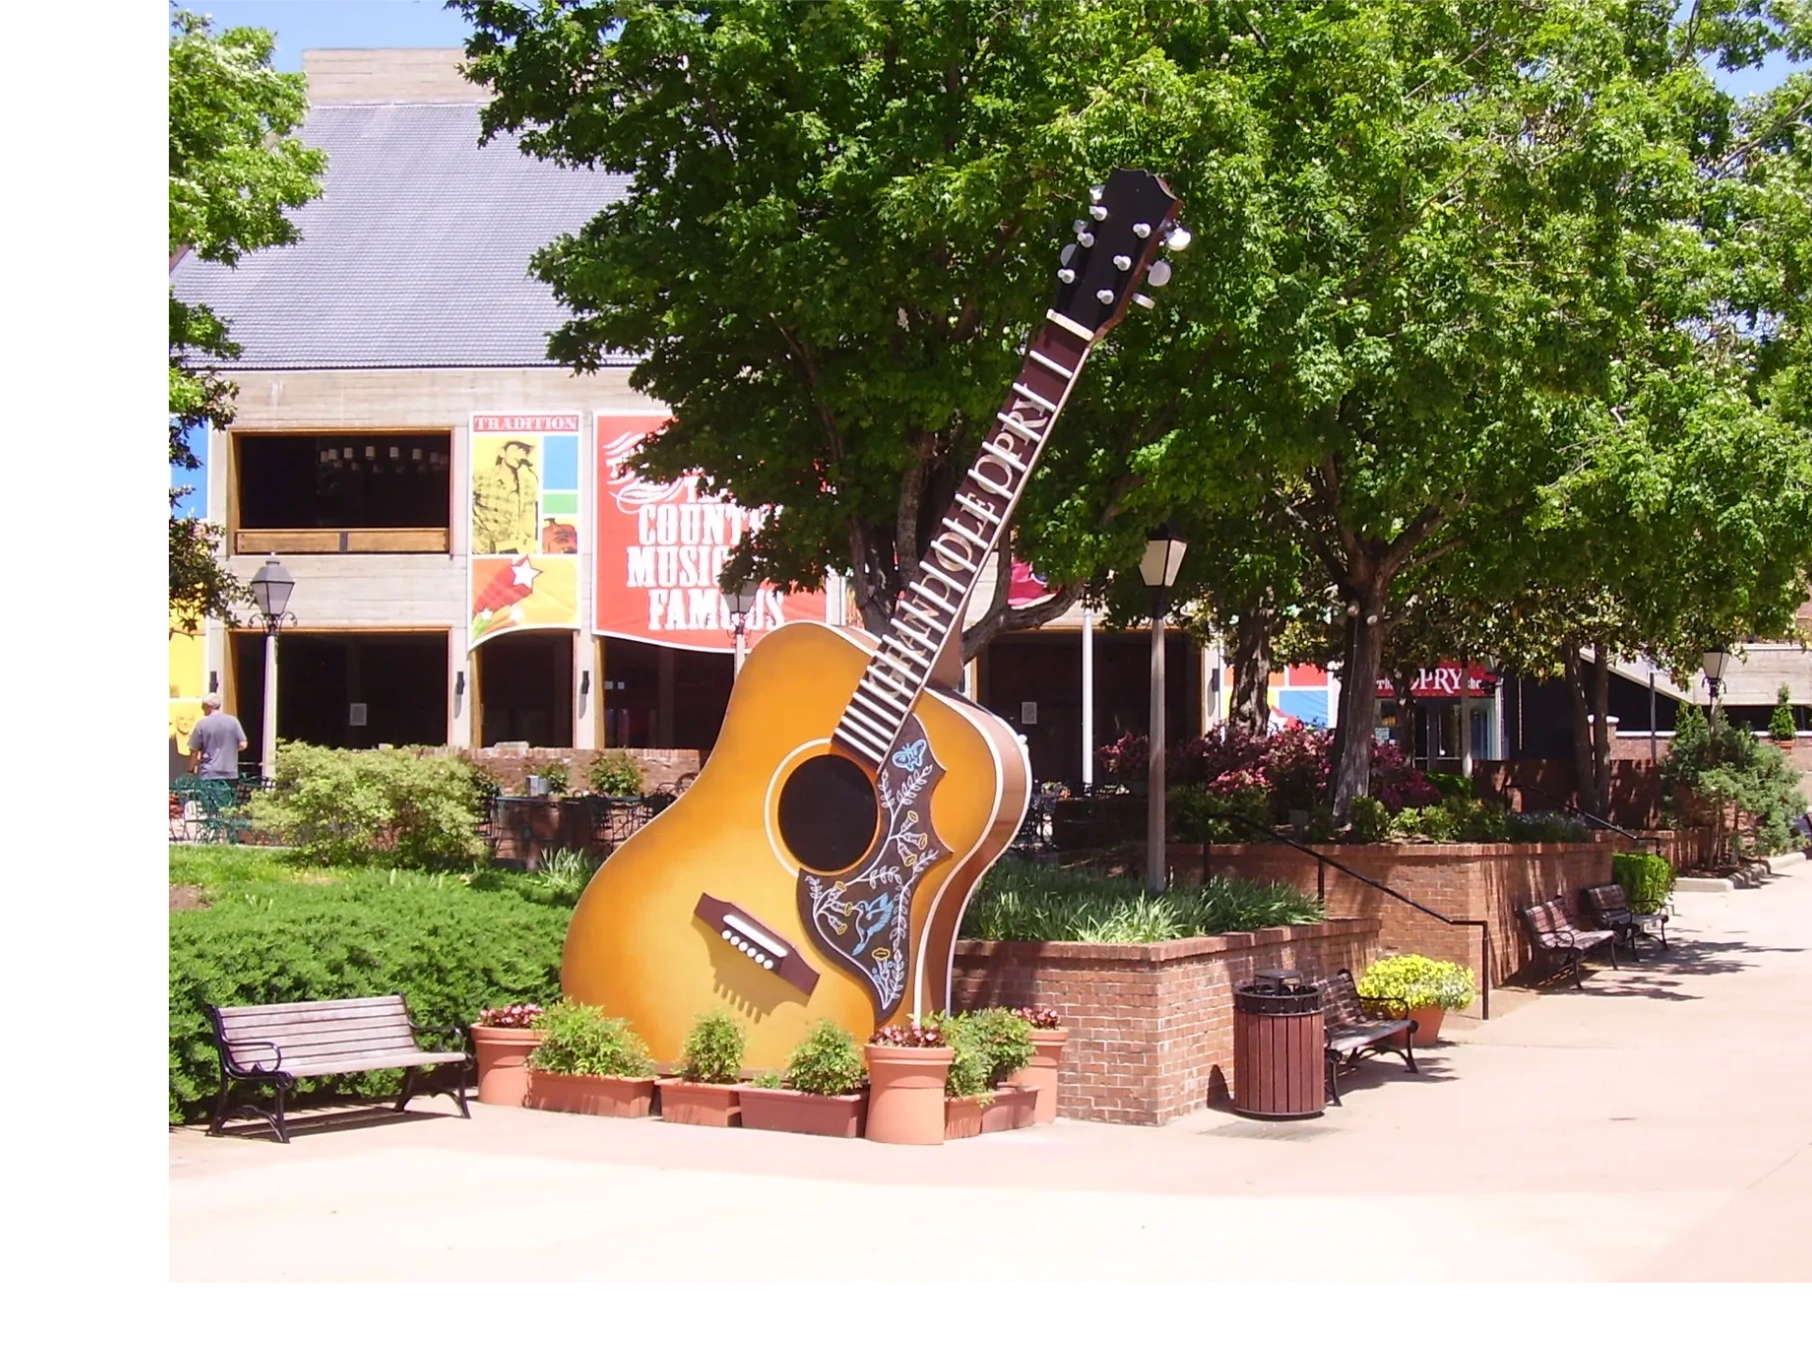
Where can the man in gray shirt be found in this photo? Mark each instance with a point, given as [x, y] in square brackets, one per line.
[215, 743]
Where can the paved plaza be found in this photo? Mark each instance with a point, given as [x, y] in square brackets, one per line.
[1655, 1127]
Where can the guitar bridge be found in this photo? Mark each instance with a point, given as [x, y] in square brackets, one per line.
[764, 946]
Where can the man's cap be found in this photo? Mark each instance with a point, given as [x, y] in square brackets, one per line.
[517, 443]
[211, 701]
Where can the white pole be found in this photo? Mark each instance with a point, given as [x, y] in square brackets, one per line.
[742, 650]
[270, 703]
[1088, 697]
[1466, 716]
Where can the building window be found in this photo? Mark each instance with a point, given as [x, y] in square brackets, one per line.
[360, 491]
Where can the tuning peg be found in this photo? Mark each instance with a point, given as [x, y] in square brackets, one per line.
[1094, 194]
[1104, 296]
[1078, 226]
[1144, 301]
[1086, 240]
[1066, 275]
[1159, 273]
[1098, 212]
[1123, 262]
[1179, 238]
[1065, 255]
[1141, 229]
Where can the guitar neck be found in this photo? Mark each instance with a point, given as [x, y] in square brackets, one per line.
[936, 599]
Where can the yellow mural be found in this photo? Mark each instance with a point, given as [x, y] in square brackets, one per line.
[188, 682]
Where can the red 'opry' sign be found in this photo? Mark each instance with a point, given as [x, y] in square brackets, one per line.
[1442, 681]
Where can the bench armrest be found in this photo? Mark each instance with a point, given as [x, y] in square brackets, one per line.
[234, 1067]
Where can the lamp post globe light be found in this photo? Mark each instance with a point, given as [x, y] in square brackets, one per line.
[1713, 662]
[740, 595]
[272, 586]
[1158, 569]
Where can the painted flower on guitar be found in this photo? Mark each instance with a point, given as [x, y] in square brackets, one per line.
[866, 916]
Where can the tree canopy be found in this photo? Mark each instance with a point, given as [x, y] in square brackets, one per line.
[234, 172]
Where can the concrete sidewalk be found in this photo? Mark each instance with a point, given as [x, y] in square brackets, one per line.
[1655, 1126]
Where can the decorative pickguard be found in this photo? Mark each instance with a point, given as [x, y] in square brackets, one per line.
[862, 917]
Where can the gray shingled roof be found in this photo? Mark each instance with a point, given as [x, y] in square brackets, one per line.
[416, 255]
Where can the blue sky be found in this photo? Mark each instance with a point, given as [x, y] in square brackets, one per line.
[303, 24]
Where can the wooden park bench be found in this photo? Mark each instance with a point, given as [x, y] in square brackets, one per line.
[1557, 934]
[1611, 906]
[1352, 1032]
[278, 1045]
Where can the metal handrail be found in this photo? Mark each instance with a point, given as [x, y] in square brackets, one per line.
[1323, 862]
[1583, 815]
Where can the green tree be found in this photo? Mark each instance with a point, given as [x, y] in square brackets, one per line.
[234, 171]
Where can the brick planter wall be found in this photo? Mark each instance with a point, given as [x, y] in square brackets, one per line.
[1151, 1025]
[512, 767]
[1466, 882]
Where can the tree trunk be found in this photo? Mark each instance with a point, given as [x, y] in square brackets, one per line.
[1359, 703]
[1251, 706]
[1583, 774]
[1346, 669]
[1409, 713]
[1601, 731]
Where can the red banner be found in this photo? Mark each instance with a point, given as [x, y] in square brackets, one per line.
[1441, 682]
[661, 547]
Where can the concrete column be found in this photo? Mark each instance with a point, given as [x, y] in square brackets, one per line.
[1088, 695]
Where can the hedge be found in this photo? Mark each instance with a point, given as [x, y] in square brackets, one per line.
[272, 934]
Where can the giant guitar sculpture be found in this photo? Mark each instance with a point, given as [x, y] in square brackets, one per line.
[821, 862]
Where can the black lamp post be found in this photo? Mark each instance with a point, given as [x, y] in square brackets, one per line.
[1158, 568]
[271, 589]
[740, 596]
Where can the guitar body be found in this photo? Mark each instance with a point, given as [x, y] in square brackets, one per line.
[648, 939]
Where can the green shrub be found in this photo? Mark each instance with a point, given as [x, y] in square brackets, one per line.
[970, 1060]
[1646, 879]
[614, 773]
[1451, 785]
[826, 1062]
[1006, 1039]
[280, 931]
[713, 1051]
[416, 808]
[566, 872]
[584, 1041]
[1370, 820]
[1710, 770]
[1416, 982]
[1195, 815]
[1545, 828]
[1021, 900]
[1781, 725]
[1438, 824]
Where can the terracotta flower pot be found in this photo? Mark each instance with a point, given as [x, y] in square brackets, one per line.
[1042, 1074]
[795, 1111]
[906, 1094]
[1428, 1024]
[709, 1106]
[964, 1115]
[1015, 1106]
[610, 1096]
[502, 1075]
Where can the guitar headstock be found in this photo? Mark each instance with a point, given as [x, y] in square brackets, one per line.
[1099, 274]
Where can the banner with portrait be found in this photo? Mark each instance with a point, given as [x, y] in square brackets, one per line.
[524, 524]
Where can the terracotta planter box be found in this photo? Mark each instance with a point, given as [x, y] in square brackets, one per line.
[796, 1112]
[708, 1106]
[906, 1094]
[1014, 1107]
[963, 1115]
[1428, 1024]
[1041, 1076]
[609, 1096]
[502, 1076]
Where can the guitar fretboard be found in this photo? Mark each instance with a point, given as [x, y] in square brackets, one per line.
[936, 598]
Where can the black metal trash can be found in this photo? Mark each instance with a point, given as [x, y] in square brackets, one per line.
[1279, 1063]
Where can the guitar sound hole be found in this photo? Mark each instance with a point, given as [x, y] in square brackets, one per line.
[828, 813]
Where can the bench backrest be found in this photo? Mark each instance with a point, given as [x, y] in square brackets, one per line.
[1609, 904]
[1546, 917]
[1340, 1002]
[315, 1030]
